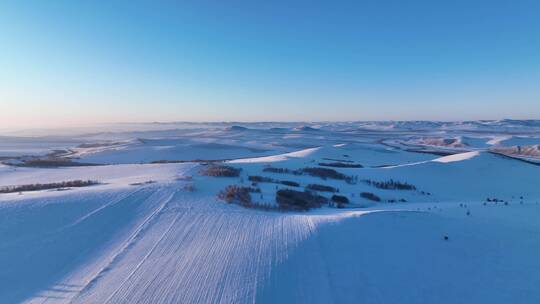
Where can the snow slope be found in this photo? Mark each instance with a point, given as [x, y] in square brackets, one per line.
[112, 175]
[402, 258]
[161, 245]
[457, 157]
[161, 242]
[275, 158]
[154, 244]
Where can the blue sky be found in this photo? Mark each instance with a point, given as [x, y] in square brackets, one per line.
[83, 62]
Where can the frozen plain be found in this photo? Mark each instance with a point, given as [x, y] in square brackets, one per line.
[129, 241]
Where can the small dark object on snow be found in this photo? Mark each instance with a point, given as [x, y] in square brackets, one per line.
[370, 196]
[321, 188]
[339, 199]
[289, 199]
[221, 171]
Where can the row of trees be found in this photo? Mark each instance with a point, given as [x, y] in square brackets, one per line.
[36, 187]
[390, 185]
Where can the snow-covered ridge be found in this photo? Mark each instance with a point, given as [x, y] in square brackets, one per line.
[276, 158]
[457, 157]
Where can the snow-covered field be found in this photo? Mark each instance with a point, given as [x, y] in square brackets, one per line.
[154, 231]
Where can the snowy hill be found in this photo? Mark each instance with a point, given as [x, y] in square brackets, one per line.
[408, 216]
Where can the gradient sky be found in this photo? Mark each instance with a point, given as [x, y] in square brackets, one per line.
[83, 62]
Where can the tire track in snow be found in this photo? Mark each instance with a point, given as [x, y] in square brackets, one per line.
[214, 258]
[143, 260]
[103, 207]
[188, 252]
[128, 244]
[82, 248]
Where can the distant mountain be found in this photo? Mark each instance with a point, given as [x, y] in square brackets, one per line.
[237, 128]
[306, 129]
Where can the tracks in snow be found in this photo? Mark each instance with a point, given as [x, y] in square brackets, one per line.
[189, 255]
[128, 244]
[185, 251]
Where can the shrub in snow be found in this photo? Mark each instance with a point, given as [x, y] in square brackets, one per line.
[338, 160]
[339, 200]
[36, 187]
[290, 183]
[325, 173]
[277, 170]
[189, 187]
[390, 185]
[321, 188]
[51, 163]
[260, 179]
[238, 195]
[341, 165]
[370, 196]
[288, 199]
[221, 171]
[264, 179]
[142, 183]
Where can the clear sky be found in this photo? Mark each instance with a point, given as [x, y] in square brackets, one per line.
[80, 62]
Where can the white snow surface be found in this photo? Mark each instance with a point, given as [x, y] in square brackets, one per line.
[142, 236]
[276, 158]
[457, 157]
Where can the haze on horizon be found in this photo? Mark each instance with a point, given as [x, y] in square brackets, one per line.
[72, 63]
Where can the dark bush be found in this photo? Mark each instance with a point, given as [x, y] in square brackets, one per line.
[36, 187]
[339, 199]
[288, 199]
[321, 188]
[52, 163]
[339, 160]
[290, 183]
[237, 195]
[166, 161]
[390, 185]
[143, 183]
[370, 196]
[325, 173]
[264, 179]
[221, 171]
[189, 187]
[260, 179]
[277, 170]
[341, 165]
